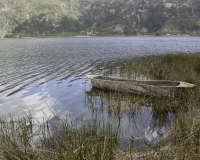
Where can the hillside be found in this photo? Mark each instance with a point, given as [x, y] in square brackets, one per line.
[100, 17]
[37, 16]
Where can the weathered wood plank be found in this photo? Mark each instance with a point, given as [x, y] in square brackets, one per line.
[152, 87]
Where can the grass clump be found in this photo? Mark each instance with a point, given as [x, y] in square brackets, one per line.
[186, 135]
[184, 140]
[24, 138]
[97, 139]
[175, 67]
[183, 67]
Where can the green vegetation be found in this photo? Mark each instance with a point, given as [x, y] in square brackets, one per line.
[98, 139]
[42, 27]
[181, 67]
[48, 35]
[54, 142]
[116, 17]
[185, 134]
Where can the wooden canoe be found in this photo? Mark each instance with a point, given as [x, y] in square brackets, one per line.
[148, 87]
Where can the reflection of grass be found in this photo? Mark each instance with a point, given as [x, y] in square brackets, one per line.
[116, 98]
[97, 139]
[184, 141]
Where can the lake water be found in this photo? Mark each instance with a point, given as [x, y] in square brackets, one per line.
[47, 76]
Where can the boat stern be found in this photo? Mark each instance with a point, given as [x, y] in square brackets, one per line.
[186, 85]
[91, 76]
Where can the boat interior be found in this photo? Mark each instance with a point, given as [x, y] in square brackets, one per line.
[147, 82]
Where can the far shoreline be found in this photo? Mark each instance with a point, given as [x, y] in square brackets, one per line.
[89, 36]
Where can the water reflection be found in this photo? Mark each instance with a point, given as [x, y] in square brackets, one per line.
[48, 75]
[24, 62]
[24, 104]
[51, 98]
[134, 124]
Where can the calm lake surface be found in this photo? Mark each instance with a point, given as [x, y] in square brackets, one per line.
[48, 75]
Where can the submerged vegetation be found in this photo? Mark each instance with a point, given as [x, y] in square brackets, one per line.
[98, 137]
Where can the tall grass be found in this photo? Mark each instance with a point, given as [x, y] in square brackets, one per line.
[184, 142]
[24, 138]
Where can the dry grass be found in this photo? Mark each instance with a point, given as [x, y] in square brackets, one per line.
[184, 142]
[94, 142]
[62, 142]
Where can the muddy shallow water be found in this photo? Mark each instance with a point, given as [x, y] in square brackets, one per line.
[48, 75]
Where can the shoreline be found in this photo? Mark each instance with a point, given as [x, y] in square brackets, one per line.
[79, 35]
[86, 36]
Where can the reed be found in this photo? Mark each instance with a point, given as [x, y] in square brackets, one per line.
[24, 138]
[184, 142]
[97, 138]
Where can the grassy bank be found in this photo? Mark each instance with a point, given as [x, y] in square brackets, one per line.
[96, 139]
[184, 142]
[50, 35]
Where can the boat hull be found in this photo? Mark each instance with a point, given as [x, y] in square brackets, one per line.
[152, 88]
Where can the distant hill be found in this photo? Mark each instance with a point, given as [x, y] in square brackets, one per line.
[100, 17]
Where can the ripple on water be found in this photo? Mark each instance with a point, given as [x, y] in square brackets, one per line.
[52, 71]
[36, 59]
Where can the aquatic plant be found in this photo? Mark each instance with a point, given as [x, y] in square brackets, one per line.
[97, 138]
[184, 140]
[24, 138]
